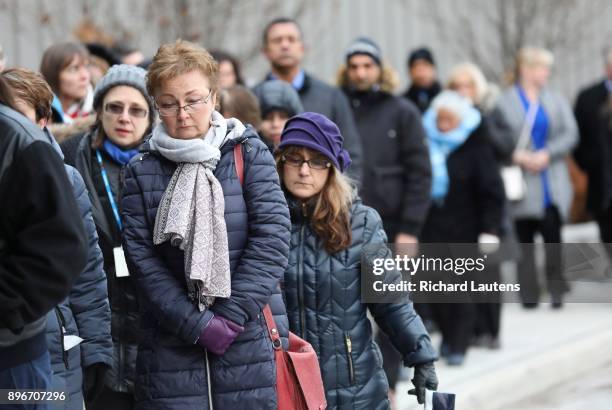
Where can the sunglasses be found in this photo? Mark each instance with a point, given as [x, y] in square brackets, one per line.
[118, 109]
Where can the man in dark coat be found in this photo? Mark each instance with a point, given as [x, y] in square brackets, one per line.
[593, 112]
[284, 49]
[424, 86]
[42, 247]
[396, 171]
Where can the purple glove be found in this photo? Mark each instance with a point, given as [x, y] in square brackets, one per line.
[219, 334]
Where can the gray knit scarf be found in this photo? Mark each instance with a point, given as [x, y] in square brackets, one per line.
[191, 212]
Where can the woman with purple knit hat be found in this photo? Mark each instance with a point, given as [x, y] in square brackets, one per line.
[322, 283]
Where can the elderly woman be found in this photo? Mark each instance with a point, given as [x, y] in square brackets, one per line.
[534, 128]
[468, 80]
[125, 114]
[207, 253]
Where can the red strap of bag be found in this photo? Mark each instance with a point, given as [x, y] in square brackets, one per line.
[239, 160]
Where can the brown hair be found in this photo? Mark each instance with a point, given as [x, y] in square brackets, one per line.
[180, 57]
[6, 95]
[330, 218]
[31, 88]
[237, 101]
[58, 57]
[221, 56]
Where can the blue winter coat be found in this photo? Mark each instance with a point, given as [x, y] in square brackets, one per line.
[171, 369]
[323, 297]
[84, 313]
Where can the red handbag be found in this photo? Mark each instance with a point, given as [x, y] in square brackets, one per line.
[299, 385]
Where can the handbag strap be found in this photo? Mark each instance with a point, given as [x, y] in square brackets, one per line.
[270, 323]
[523, 140]
[272, 329]
[239, 161]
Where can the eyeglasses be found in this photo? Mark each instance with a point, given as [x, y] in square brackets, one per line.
[118, 109]
[171, 110]
[314, 163]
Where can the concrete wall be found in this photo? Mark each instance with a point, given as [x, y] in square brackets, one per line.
[27, 27]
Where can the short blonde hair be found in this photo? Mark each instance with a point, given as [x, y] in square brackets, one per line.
[478, 78]
[534, 56]
[180, 57]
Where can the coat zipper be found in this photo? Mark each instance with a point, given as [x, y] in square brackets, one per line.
[301, 283]
[349, 354]
[62, 322]
[210, 400]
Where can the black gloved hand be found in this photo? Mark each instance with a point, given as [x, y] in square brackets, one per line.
[424, 378]
[93, 381]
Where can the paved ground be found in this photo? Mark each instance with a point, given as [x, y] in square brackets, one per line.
[549, 359]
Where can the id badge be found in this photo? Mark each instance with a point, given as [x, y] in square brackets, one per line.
[71, 341]
[121, 269]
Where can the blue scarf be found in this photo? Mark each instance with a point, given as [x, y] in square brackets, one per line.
[539, 137]
[442, 144]
[119, 155]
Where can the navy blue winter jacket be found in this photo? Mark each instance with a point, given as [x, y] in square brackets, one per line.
[172, 371]
[84, 313]
[324, 306]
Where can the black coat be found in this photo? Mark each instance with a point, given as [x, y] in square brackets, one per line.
[324, 306]
[396, 170]
[43, 244]
[422, 97]
[171, 366]
[594, 151]
[84, 313]
[125, 316]
[475, 199]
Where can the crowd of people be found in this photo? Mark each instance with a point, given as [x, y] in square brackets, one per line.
[136, 262]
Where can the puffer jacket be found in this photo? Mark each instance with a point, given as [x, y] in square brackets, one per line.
[323, 299]
[125, 316]
[84, 313]
[172, 370]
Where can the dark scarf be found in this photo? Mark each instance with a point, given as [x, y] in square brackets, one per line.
[422, 97]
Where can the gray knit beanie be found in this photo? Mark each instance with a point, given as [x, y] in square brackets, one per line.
[122, 74]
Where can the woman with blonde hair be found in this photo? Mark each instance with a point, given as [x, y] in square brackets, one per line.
[534, 128]
[468, 80]
[322, 283]
[205, 251]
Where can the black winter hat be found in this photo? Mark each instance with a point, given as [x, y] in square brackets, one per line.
[422, 53]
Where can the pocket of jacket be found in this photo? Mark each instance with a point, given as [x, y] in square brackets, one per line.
[388, 189]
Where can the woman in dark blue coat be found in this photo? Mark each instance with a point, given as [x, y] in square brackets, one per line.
[206, 252]
[322, 284]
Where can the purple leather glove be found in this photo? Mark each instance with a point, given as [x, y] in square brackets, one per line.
[219, 334]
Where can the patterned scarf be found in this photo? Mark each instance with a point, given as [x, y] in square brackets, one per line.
[191, 211]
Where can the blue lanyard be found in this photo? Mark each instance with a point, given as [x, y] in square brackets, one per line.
[109, 191]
